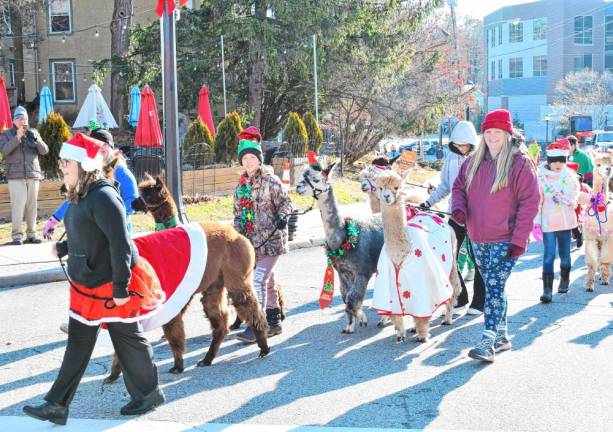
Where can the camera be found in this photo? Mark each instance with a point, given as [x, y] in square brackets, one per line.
[30, 138]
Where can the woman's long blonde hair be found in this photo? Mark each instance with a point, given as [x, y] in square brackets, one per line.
[504, 162]
[76, 194]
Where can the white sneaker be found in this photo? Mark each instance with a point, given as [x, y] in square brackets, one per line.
[64, 327]
[470, 275]
[474, 312]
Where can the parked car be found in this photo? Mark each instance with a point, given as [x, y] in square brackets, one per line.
[602, 140]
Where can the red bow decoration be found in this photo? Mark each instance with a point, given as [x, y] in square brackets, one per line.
[171, 6]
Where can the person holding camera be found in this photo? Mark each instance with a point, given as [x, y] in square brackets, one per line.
[261, 211]
[20, 147]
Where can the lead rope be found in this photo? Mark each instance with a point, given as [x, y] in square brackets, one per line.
[595, 203]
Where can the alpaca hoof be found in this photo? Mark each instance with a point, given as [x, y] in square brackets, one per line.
[175, 370]
[604, 282]
[589, 289]
[347, 331]
[363, 324]
[413, 330]
[400, 339]
[446, 322]
[264, 352]
[110, 379]
[204, 362]
[420, 339]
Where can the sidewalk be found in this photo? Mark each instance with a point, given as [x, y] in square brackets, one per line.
[34, 264]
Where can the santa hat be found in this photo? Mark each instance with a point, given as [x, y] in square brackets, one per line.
[249, 141]
[313, 162]
[498, 119]
[573, 166]
[558, 148]
[85, 150]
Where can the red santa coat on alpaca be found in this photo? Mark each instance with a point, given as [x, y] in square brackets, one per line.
[420, 284]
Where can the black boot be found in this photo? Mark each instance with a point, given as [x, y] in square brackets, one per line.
[273, 316]
[547, 287]
[579, 239]
[150, 402]
[51, 411]
[564, 280]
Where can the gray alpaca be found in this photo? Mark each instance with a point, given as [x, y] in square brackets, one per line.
[358, 265]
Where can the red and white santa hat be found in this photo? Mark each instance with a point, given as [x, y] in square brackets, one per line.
[85, 150]
[559, 148]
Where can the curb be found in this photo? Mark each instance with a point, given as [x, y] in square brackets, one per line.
[57, 275]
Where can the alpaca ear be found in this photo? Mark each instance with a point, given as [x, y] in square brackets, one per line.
[159, 184]
[327, 172]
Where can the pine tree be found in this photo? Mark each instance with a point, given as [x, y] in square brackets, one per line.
[295, 134]
[226, 140]
[54, 131]
[315, 135]
[197, 144]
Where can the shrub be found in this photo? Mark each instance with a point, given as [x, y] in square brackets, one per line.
[315, 135]
[197, 144]
[54, 132]
[295, 134]
[226, 140]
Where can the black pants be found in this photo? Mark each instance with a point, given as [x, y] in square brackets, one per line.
[132, 348]
[478, 286]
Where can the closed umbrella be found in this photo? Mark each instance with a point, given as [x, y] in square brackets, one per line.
[148, 132]
[204, 109]
[95, 108]
[45, 104]
[6, 119]
[134, 106]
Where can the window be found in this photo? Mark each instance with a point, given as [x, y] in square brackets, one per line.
[493, 37]
[608, 43]
[60, 16]
[500, 69]
[539, 66]
[583, 30]
[539, 30]
[583, 61]
[493, 74]
[500, 34]
[12, 79]
[608, 61]
[62, 73]
[516, 32]
[516, 67]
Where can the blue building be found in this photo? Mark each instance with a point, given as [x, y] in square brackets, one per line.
[532, 46]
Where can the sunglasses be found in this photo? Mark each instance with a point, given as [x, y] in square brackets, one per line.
[63, 163]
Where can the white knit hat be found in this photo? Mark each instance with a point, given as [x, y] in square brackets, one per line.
[85, 150]
[464, 132]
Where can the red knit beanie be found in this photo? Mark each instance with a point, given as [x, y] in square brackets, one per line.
[498, 119]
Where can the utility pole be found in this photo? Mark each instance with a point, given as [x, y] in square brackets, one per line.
[315, 76]
[223, 78]
[171, 108]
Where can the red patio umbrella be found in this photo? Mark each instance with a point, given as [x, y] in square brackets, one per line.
[204, 109]
[6, 119]
[148, 131]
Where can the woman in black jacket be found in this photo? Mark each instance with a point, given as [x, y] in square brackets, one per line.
[109, 284]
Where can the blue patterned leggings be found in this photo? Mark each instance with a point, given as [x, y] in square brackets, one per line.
[495, 267]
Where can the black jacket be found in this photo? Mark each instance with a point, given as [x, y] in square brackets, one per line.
[98, 246]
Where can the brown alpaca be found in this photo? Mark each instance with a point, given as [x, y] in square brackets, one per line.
[228, 273]
[398, 246]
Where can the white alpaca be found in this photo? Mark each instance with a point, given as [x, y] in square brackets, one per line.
[416, 270]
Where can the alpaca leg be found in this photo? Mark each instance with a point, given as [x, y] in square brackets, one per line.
[605, 261]
[213, 302]
[115, 370]
[384, 321]
[591, 260]
[240, 290]
[448, 313]
[281, 296]
[398, 321]
[174, 332]
[355, 298]
[422, 325]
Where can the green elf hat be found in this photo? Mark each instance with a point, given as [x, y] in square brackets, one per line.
[249, 141]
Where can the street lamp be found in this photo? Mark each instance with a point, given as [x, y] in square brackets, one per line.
[547, 118]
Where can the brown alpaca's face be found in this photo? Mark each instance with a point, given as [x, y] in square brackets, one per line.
[602, 167]
[153, 194]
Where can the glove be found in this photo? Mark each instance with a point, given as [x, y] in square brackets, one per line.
[515, 251]
[537, 233]
[281, 222]
[459, 217]
[50, 227]
[425, 205]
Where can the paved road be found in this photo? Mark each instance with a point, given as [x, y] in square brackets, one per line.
[557, 378]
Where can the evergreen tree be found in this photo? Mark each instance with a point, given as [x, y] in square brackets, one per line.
[295, 134]
[54, 131]
[226, 140]
[197, 144]
[315, 135]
